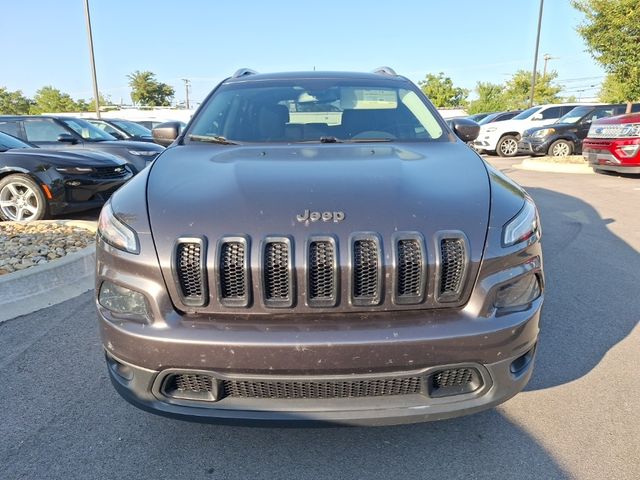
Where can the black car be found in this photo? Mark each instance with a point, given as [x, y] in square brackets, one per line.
[123, 129]
[566, 135]
[36, 183]
[498, 117]
[60, 132]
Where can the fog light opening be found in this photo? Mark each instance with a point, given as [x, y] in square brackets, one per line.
[521, 364]
[125, 372]
[122, 300]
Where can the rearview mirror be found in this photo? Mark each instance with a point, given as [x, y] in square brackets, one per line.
[466, 130]
[165, 133]
[67, 138]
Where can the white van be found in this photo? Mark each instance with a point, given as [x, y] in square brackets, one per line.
[502, 137]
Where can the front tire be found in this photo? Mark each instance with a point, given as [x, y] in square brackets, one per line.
[21, 199]
[507, 146]
[560, 148]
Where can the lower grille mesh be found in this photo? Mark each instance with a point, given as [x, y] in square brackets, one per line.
[192, 383]
[452, 251]
[337, 389]
[453, 378]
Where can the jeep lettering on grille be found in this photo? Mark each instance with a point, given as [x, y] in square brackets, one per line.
[309, 216]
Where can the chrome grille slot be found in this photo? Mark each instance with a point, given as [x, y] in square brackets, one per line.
[189, 270]
[277, 272]
[366, 268]
[322, 272]
[410, 274]
[233, 279]
[454, 259]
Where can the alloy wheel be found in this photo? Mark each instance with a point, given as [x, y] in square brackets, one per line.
[18, 202]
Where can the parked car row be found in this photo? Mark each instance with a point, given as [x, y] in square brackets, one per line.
[52, 164]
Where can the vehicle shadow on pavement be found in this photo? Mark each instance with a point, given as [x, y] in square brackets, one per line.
[591, 289]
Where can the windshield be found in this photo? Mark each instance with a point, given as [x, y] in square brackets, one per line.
[489, 118]
[575, 115]
[316, 110]
[132, 128]
[86, 130]
[527, 113]
[7, 142]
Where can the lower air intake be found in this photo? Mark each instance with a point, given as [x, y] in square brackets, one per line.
[190, 386]
[321, 389]
[454, 381]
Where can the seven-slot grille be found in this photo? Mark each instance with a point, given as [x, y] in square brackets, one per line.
[189, 267]
[277, 273]
[366, 270]
[233, 277]
[322, 276]
[408, 272]
[454, 259]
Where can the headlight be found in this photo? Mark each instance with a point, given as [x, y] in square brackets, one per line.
[116, 233]
[74, 170]
[122, 300]
[523, 226]
[519, 293]
[543, 132]
[143, 153]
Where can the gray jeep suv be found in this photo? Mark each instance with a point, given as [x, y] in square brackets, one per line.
[319, 247]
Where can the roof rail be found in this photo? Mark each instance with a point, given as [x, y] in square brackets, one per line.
[241, 72]
[385, 71]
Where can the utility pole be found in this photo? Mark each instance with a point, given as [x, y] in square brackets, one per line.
[535, 58]
[187, 84]
[546, 58]
[93, 60]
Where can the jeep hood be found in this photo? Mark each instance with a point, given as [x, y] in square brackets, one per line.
[258, 191]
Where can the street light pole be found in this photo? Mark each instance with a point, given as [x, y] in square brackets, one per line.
[93, 61]
[535, 58]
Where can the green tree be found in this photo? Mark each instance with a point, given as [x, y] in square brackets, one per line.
[13, 103]
[611, 31]
[146, 90]
[441, 91]
[49, 99]
[518, 89]
[490, 98]
[612, 90]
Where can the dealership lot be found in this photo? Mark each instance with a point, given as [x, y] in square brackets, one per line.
[576, 419]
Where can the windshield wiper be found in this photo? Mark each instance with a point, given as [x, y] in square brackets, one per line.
[212, 139]
[330, 139]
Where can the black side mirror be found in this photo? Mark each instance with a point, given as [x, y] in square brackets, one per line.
[466, 130]
[118, 135]
[165, 133]
[67, 138]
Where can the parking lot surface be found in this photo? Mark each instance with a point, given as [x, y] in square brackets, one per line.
[578, 417]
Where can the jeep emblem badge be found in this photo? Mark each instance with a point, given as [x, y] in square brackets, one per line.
[309, 216]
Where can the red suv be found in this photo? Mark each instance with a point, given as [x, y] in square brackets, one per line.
[613, 144]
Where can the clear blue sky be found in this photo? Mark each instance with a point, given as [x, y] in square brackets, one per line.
[45, 41]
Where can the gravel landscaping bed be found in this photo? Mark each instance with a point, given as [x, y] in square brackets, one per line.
[24, 245]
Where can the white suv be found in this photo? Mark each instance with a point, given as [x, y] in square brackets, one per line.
[502, 137]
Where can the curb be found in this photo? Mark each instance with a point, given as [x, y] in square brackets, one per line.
[538, 166]
[30, 290]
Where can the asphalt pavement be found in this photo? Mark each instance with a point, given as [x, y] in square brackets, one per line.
[578, 417]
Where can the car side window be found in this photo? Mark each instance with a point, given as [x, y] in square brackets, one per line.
[12, 128]
[43, 130]
[551, 113]
[602, 113]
